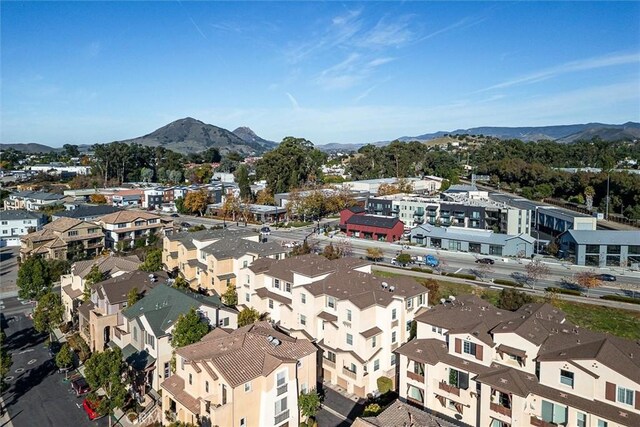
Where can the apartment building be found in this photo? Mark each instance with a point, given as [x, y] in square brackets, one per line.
[99, 315]
[73, 284]
[124, 228]
[17, 223]
[32, 200]
[248, 377]
[64, 238]
[356, 318]
[143, 331]
[483, 366]
[211, 260]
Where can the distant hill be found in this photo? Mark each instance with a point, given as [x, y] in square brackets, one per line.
[249, 136]
[31, 148]
[189, 135]
[560, 133]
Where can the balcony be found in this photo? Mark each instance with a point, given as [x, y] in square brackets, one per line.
[449, 388]
[500, 409]
[348, 373]
[328, 363]
[282, 389]
[280, 418]
[418, 213]
[535, 421]
[416, 377]
[394, 323]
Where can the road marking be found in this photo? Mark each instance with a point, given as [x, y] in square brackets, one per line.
[337, 414]
[458, 270]
[19, 370]
[32, 361]
[26, 351]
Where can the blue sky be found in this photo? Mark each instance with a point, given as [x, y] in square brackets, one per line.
[87, 72]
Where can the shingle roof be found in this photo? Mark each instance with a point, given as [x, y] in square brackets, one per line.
[204, 235]
[266, 293]
[230, 247]
[605, 237]
[20, 214]
[311, 265]
[87, 211]
[126, 216]
[400, 414]
[163, 304]
[373, 221]
[63, 224]
[117, 288]
[107, 264]
[38, 195]
[433, 351]
[246, 353]
[371, 332]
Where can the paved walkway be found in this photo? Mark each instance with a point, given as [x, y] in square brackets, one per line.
[5, 420]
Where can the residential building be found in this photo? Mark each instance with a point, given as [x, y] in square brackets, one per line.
[144, 329]
[124, 228]
[64, 238]
[356, 223]
[483, 242]
[484, 366]
[356, 318]
[32, 200]
[254, 212]
[601, 248]
[126, 198]
[99, 315]
[73, 284]
[211, 260]
[359, 196]
[428, 184]
[400, 414]
[17, 223]
[85, 212]
[60, 169]
[152, 197]
[248, 377]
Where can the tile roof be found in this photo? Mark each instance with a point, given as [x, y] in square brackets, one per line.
[327, 316]
[433, 351]
[371, 332]
[126, 216]
[117, 288]
[246, 353]
[310, 265]
[215, 234]
[399, 414]
[87, 211]
[63, 224]
[373, 221]
[107, 264]
[266, 293]
[175, 385]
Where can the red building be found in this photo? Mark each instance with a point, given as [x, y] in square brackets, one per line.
[356, 223]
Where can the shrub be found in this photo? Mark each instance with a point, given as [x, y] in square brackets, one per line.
[511, 299]
[563, 291]
[460, 276]
[507, 283]
[385, 384]
[422, 270]
[372, 410]
[621, 298]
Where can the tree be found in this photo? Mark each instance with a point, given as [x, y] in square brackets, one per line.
[248, 316]
[484, 269]
[230, 297]
[588, 280]
[309, 403]
[403, 259]
[231, 206]
[536, 270]
[434, 290]
[302, 249]
[98, 199]
[331, 252]
[48, 313]
[196, 201]
[94, 276]
[589, 192]
[189, 329]
[34, 279]
[181, 283]
[5, 357]
[104, 371]
[146, 175]
[71, 150]
[152, 261]
[552, 248]
[64, 358]
[375, 254]
[174, 176]
[512, 299]
[133, 296]
[211, 155]
[244, 184]
[264, 197]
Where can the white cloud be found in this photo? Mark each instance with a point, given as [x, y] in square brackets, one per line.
[294, 102]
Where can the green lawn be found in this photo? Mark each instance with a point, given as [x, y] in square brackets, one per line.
[620, 322]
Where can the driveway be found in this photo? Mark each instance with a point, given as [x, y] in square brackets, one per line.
[37, 395]
[338, 410]
[9, 270]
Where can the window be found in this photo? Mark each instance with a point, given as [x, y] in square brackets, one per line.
[73, 233]
[270, 303]
[122, 225]
[409, 303]
[376, 365]
[281, 406]
[276, 283]
[243, 422]
[331, 356]
[374, 341]
[331, 302]
[247, 387]
[469, 348]
[394, 314]
[247, 297]
[420, 299]
[224, 394]
[581, 419]
[182, 364]
[554, 413]
[206, 386]
[566, 377]
[139, 223]
[150, 340]
[458, 379]
[393, 337]
[303, 388]
[167, 370]
[135, 333]
[414, 393]
[625, 396]
[348, 315]
[349, 339]
[602, 423]
[224, 321]
[418, 368]
[409, 325]
[303, 320]
[287, 287]
[303, 298]
[353, 368]
[245, 263]
[393, 359]
[190, 379]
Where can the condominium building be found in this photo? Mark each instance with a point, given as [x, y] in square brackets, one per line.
[32, 200]
[124, 228]
[483, 366]
[73, 284]
[356, 318]
[248, 377]
[212, 260]
[17, 223]
[64, 238]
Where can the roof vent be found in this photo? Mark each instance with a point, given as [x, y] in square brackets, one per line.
[275, 342]
[385, 285]
[392, 288]
[452, 298]
[270, 338]
[443, 301]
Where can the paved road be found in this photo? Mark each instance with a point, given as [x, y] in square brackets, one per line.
[36, 395]
[8, 270]
[338, 410]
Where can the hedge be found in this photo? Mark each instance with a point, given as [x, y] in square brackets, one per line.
[422, 270]
[621, 298]
[563, 291]
[384, 384]
[507, 283]
[460, 276]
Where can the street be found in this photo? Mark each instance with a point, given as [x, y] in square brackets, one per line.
[37, 395]
[9, 271]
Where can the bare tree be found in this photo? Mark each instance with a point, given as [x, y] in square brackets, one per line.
[483, 270]
[536, 270]
[587, 279]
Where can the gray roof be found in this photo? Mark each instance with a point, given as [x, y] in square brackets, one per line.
[20, 214]
[604, 237]
[163, 304]
[230, 247]
[117, 288]
[373, 221]
[187, 238]
[467, 235]
[461, 188]
[399, 414]
[87, 211]
[38, 195]
[522, 203]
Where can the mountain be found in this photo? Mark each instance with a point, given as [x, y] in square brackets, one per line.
[189, 135]
[558, 133]
[30, 148]
[249, 136]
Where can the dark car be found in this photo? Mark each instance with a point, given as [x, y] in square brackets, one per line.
[80, 386]
[485, 261]
[265, 230]
[91, 408]
[185, 224]
[174, 215]
[606, 277]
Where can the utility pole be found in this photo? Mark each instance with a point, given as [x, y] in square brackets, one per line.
[607, 208]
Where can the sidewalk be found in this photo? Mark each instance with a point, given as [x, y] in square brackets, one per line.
[5, 421]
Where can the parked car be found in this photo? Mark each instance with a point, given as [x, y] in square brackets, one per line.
[91, 408]
[606, 277]
[431, 261]
[174, 215]
[185, 224]
[485, 261]
[80, 386]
